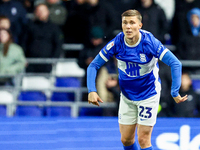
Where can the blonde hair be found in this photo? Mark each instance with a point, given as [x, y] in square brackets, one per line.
[132, 12]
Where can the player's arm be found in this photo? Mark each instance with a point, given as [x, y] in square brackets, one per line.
[91, 78]
[176, 71]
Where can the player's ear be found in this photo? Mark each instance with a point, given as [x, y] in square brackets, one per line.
[140, 25]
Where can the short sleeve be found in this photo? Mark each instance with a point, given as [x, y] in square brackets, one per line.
[157, 49]
[108, 50]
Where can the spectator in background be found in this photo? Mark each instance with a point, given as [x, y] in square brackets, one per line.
[188, 47]
[4, 22]
[165, 98]
[43, 40]
[108, 87]
[193, 17]
[76, 28]
[12, 59]
[90, 13]
[191, 107]
[179, 22]
[16, 13]
[101, 13]
[154, 18]
[120, 6]
[107, 82]
[90, 51]
[28, 5]
[58, 13]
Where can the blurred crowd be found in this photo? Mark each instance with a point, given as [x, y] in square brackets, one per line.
[39, 28]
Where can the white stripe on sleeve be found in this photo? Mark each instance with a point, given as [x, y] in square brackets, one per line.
[163, 53]
[102, 56]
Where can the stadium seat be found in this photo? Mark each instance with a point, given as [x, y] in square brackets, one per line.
[31, 110]
[66, 69]
[33, 87]
[5, 98]
[65, 82]
[35, 83]
[85, 111]
[63, 96]
[58, 111]
[3, 110]
[68, 74]
[32, 96]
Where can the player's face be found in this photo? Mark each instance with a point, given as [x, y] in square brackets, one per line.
[131, 26]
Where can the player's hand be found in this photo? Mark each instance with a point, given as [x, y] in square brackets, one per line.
[180, 99]
[94, 98]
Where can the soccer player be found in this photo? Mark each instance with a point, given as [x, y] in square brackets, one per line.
[137, 52]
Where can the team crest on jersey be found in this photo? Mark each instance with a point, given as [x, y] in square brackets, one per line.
[143, 58]
[110, 45]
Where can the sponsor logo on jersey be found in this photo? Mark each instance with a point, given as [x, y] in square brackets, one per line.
[132, 69]
[143, 58]
[110, 45]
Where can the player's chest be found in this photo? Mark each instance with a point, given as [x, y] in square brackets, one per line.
[133, 54]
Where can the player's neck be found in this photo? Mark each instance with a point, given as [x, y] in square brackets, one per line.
[133, 40]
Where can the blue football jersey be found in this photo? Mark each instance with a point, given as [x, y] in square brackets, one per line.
[137, 64]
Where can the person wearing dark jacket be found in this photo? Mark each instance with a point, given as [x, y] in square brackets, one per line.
[77, 29]
[58, 13]
[85, 14]
[191, 107]
[101, 13]
[189, 45]
[43, 39]
[87, 55]
[179, 21]
[154, 18]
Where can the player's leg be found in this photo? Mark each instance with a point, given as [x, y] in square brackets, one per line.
[147, 115]
[128, 137]
[144, 137]
[127, 123]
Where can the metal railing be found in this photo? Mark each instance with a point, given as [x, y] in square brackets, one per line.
[80, 47]
[17, 88]
[75, 105]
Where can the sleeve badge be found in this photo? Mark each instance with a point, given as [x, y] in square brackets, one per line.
[110, 45]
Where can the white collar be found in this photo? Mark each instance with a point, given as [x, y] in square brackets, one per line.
[136, 44]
